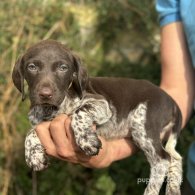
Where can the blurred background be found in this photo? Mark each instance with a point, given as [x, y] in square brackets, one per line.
[114, 38]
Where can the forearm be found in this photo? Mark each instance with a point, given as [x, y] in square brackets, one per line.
[177, 71]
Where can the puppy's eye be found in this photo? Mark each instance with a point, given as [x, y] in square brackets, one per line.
[32, 67]
[63, 67]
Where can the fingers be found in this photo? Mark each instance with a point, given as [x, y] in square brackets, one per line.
[69, 132]
[57, 138]
[43, 133]
[57, 131]
[53, 137]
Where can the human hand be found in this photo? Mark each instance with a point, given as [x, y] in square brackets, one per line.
[58, 140]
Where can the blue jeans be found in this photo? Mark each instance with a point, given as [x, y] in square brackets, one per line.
[191, 165]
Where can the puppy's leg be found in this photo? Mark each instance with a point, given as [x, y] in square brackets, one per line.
[153, 150]
[158, 171]
[93, 112]
[174, 176]
[35, 155]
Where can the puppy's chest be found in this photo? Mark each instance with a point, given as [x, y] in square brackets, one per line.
[103, 114]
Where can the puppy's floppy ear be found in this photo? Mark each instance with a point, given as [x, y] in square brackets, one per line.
[80, 77]
[18, 77]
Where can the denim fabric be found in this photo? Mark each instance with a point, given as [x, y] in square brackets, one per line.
[191, 165]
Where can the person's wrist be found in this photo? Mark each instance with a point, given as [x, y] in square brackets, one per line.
[106, 158]
[103, 159]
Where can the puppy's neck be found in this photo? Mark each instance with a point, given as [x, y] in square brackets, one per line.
[41, 113]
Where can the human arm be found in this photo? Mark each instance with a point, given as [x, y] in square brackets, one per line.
[177, 75]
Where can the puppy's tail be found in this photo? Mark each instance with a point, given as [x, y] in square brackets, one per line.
[174, 175]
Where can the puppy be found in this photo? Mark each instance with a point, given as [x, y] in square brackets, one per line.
[120, 107]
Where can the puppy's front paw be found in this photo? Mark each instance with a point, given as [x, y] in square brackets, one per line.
[35, 155]
[89, 143]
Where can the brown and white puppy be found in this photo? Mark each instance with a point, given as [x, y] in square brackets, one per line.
[120, 107]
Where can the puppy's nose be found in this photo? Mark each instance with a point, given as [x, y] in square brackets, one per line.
[45, 93]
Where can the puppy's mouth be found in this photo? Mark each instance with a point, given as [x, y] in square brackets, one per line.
[42, 112]
[48, 109]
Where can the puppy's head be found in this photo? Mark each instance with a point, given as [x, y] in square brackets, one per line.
[52, 71]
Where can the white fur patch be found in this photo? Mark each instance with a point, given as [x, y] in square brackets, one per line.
[138, 131]
[159, 167]
[174, 175]
[34, 152]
